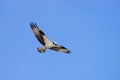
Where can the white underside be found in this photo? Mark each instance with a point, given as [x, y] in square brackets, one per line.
[48, 43]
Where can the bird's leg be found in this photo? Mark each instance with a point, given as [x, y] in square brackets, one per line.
[41, 49]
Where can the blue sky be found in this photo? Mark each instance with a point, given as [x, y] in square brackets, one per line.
[89, 28]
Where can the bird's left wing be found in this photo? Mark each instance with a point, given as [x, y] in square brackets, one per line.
[60, 49]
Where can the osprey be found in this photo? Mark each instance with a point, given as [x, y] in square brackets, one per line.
[47, 44]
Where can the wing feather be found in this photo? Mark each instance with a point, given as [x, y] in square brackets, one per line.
[60, 49]
[39, 34]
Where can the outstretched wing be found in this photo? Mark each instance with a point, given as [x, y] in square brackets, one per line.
[38, 33]
[60, 49]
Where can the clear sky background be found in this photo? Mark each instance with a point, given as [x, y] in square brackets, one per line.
[89, 28]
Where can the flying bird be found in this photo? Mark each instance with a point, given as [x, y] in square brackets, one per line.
[47, 44]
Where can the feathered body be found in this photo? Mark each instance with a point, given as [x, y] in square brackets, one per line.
[47, 44]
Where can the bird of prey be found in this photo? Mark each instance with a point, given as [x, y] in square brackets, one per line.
[47, 44]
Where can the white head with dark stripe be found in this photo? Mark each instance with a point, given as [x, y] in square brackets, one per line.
[55, 43]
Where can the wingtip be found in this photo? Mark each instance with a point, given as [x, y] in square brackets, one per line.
[31, 22]
[33, 25]
[68, 52]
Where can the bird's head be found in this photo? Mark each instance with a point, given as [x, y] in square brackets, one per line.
[55, 43]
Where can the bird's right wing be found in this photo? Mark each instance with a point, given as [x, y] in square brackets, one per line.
[39, 34]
